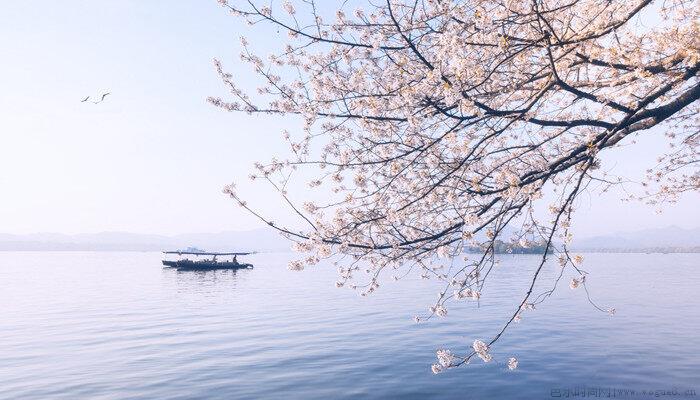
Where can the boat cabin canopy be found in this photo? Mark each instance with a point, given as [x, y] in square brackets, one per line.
[204, 253]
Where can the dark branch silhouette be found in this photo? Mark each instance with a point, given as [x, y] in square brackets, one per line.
[439, 127]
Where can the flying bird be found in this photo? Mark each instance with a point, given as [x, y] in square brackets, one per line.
[98, 101]
[102, 98]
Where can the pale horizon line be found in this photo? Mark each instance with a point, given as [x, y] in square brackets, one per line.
[265, 227]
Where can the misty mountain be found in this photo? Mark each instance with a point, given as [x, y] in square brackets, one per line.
[669, 237]
[267, 239]
[264, 239]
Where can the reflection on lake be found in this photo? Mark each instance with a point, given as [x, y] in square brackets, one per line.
[117, 325]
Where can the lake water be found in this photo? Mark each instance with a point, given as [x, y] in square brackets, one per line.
[83, 325]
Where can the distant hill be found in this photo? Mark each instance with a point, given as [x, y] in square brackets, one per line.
[264, 239]
[669, 238]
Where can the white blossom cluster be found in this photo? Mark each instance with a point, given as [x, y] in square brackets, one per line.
[482, 350]
[432, 126]
[512, 363]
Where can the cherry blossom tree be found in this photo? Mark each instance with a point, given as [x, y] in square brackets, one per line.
[434, 125]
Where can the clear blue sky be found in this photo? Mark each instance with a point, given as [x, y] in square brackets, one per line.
[154, 156]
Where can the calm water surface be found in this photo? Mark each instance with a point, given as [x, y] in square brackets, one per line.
[82, 325]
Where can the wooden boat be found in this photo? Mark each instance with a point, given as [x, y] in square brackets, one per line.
[210, 261]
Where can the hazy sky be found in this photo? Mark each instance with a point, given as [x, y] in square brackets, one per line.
[154, 156]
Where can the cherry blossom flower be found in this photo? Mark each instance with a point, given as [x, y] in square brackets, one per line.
[433, 128]
[574, 283]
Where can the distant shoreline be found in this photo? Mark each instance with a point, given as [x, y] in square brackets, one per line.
[656, 250]
[661, 240]
[102, 247]
[66, 247]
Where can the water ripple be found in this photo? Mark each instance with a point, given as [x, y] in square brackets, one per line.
[117, 325]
